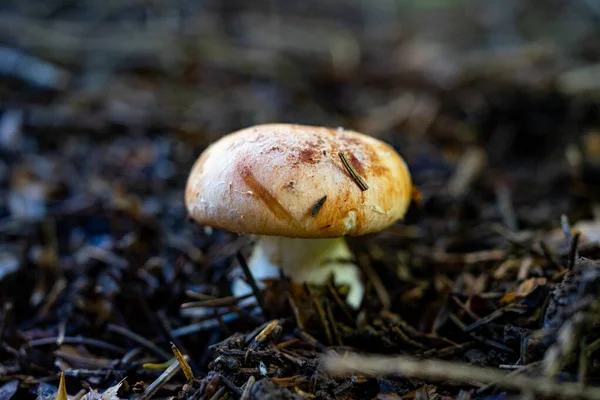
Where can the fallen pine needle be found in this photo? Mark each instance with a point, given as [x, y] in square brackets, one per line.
[160, 381]
[266, 332]
[163, 365]
[62, 388]
[187, 370]
[354, 364]
[247, 393]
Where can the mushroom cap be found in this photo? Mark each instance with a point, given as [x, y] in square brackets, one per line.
[270, 179]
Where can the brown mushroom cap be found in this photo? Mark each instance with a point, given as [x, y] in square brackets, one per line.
[269, 180]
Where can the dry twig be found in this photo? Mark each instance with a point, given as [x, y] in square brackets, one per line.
[352, 364]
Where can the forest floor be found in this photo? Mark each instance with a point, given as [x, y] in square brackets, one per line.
[487, 289]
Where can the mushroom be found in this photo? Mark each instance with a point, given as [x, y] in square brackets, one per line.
[300, 190]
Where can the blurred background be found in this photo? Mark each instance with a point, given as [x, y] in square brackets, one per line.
[433, 77]
[494, 104]
[133, 91]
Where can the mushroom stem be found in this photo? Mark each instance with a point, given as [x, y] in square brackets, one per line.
[304, 260]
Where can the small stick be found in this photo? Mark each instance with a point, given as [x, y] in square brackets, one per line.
[372, 275]
[6, 309]
[404, 337]
[88, 373]
[323, 319]
[342, 388]
[493, 316]
[592, 347]
[79, 395]
[353, 364]
[216, 302]
[510, 366]
[352, 171]
[468, 169]
[247, 393]
[230, 385]
[523, 348]
[481, 339]
[505, 205]
[290, 355]
[549, 255]
[295, 309]
[447, 351]
[77, 340]
[160, 381]
[339, 302]
[308, 338]
[573, 251]
[333, 323]
[198, 393]
[131, 355]
[465, 308]
[571, 240]
[583, 364]
[140, 340]
[224, 329]
[566, 227]
[523, 368]
[206, 323]
[524, 268]
[219, 393]
[251, 281]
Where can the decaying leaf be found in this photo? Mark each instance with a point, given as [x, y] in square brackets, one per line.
[523, 290]
[108, 394]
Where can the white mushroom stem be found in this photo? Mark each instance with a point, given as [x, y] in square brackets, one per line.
[304, 260]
